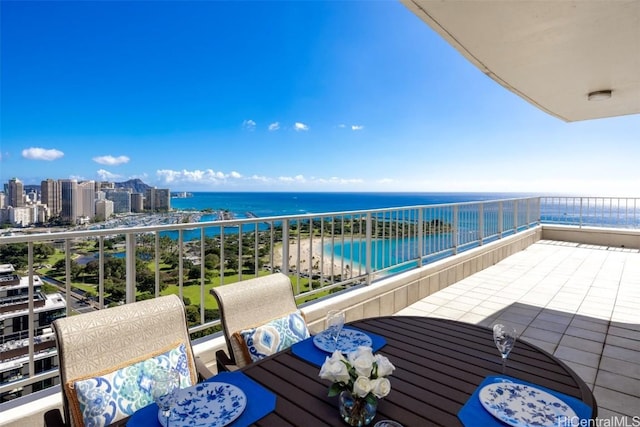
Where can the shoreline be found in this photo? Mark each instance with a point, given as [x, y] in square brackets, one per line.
[312, 253]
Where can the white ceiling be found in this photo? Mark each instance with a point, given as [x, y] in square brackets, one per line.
[552, 53]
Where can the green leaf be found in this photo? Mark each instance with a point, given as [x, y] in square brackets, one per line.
[371, 398]
[335, 389]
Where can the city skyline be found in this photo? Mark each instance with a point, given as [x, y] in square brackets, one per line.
[279, 96]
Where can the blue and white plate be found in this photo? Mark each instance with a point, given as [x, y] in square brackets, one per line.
[521, 405]
[348, 341]
[207, 404]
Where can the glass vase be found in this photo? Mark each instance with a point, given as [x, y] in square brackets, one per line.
[357, 411]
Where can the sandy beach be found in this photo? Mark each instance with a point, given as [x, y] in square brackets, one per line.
[311, 258]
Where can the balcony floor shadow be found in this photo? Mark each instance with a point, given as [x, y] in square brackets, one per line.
[579, 302]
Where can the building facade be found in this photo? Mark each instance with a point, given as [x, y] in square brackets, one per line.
[157, 200]
[104, 209]
[121, 199]
[15, 193]
[16, 327]
[51, 195]
[69, 193]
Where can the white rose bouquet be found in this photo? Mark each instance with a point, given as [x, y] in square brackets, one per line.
[361, 373]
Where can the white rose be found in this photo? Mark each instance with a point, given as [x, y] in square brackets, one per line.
[362, 361]
[334, 369]
[385, 367]
[362, 386]
[380, 387]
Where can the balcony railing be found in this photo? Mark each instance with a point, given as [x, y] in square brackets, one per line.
[609, 212]
[322, 253]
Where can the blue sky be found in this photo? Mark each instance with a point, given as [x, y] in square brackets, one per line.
[279, 96]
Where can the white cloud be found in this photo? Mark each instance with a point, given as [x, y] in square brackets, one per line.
[249, 125]
[274, 126]
[35, 153]
[385, 181]
[105, 175]
[110, 160]
[357, 127]
[197, 176]
[342, 126]
[260, 178]
[185, 180]
[300, 126]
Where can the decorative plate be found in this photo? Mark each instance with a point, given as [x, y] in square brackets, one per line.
[521, 405]
[349, 340]
[206, 405]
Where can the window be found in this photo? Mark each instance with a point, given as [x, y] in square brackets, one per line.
[21, 323]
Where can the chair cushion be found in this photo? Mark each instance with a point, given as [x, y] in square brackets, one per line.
[110, 396]
[274, 336]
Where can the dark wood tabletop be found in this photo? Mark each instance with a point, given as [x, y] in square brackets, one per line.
[439, 364]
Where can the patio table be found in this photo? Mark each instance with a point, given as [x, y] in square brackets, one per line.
[439, 364]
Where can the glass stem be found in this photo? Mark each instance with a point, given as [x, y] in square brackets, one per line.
[504, 365]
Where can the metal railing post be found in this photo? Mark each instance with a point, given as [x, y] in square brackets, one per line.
[101, 273]
[31, 308]
[285, 247]
[500, 219]
[368, 250]
[456, 230]
[130, 261]
[481, 223]
[420, 236]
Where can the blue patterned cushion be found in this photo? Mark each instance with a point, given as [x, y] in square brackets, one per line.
[275, 336]
[104, 399]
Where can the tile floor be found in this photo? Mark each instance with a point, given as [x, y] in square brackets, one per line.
[579, 302]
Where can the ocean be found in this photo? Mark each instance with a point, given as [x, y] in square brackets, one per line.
[264, 204]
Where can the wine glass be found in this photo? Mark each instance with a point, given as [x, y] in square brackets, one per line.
[335, 322]
[505, 337]
[163, 388]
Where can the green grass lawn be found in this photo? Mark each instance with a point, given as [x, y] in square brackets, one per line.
[193, 291]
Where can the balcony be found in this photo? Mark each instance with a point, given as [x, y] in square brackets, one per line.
[524, 260]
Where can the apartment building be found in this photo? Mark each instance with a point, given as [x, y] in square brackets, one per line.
[16, 326]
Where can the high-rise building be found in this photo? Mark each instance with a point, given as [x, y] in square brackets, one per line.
[137, 202]
[121, 198]
[87, 200]
[69, 192]
[51, 195]
[157, 199]
[104, 209]
[16, 193]
[105, 185]
[15, 327]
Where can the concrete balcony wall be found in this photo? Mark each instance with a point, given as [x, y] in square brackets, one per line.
[613, 237]
[382, 298]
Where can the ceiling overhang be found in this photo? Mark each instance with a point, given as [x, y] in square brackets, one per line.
[551, 53]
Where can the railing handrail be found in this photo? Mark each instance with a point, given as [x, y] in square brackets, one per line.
[34, 237]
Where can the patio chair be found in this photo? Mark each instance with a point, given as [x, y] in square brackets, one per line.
[120, 345]
[259, 317]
